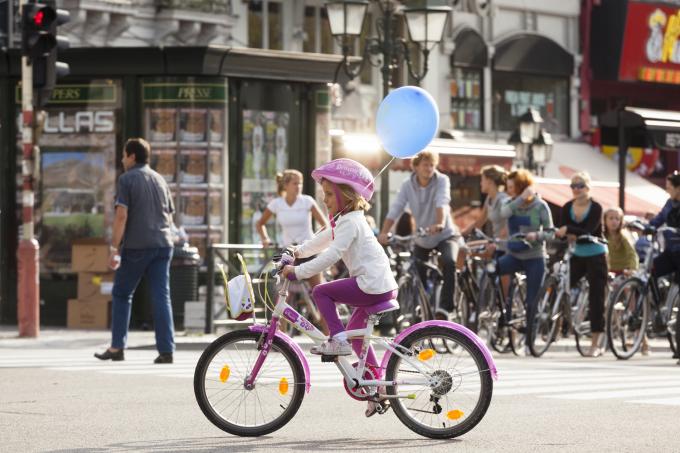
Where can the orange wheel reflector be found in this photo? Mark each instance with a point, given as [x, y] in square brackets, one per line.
[224, 374]
[283, 386]
[426, 354]
[454, 414]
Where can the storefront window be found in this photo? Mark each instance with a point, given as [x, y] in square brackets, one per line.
[466, 99]
[265, 147]
[75, 191]
[185, 121]
[517, 93]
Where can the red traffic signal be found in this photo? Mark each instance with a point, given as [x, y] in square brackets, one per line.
[38, 18]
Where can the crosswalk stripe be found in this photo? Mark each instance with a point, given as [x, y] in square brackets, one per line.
[663, 401]
[618, 393]
[641, 385]
[652, 381]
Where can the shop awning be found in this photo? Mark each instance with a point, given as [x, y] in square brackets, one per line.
[571, 157]
[642, 127]
[465, 158]
[558, 192]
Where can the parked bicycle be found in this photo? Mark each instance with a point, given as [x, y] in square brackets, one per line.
[639, 306]
[252, 382]
[562, 307]
[501, 311]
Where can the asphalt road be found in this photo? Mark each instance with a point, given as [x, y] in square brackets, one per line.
[61, 400]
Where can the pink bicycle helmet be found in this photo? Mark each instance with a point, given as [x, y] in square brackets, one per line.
[349, 172]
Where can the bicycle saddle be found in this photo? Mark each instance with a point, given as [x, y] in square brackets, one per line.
[382, 307]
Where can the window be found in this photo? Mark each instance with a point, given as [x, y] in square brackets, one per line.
[518, 92]
[466, 99]
[317, 30]
[265, 24]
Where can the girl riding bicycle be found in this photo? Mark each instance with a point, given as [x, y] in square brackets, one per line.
[347, 187]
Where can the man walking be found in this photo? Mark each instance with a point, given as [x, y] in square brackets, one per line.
[141, 244]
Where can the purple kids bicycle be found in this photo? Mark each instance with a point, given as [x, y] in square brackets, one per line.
[251, 382]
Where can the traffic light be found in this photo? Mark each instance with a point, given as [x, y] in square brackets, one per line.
[40, 43]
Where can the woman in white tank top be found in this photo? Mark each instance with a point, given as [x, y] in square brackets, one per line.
[294, 212]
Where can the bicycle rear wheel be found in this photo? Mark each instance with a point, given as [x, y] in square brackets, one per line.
[459, 389]
[221, 393]
[674, 323]
[543, 327]
[627, 318]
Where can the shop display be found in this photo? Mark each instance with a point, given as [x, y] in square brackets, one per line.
[164, 161]
[216, 125]
[75, 194]
[196, 111]
[192, 125]
[193, 207]
[216, 213]
[193, 166]
[265, 146]
[216, 168]
[162, 125]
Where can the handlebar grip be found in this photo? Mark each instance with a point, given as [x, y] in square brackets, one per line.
[291, 277]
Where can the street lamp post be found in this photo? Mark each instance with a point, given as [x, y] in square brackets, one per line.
[425, 20]
[533, 144]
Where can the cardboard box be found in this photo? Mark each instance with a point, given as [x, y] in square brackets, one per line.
[90, 255]
[88, 314]
[95, 285]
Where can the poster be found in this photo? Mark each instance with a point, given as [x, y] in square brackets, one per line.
[193, 207]
[72, 202]
[164, 161]
[265, 153]
[193, 166]
[161, 124]
[193, 125]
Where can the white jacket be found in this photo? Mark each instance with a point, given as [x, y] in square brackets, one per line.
[356, 244]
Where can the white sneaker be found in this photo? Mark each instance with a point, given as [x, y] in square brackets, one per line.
[332, 347]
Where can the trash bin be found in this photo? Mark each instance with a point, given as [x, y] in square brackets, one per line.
[183, 280]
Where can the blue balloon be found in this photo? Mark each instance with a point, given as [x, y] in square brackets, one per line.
[408, 120]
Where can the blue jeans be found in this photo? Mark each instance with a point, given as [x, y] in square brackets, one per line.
[155, 265]
[534, 269]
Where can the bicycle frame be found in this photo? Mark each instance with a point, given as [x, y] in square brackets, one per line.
[353, 375]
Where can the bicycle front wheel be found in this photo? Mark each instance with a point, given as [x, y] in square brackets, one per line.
[545, 319]
[224, 398]
[458, 389]
[627, 318]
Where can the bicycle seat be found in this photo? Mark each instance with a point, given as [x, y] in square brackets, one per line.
[382, 307]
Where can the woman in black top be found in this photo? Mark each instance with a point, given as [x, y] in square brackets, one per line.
[582, 215]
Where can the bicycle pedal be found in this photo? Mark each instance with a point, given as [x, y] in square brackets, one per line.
[329, 358]
[382, 408]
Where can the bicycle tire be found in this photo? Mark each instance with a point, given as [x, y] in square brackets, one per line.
[406, 298]
[619, 321]
[673, 324]
[426, 335]
[518, 321]
[211, 414]
[545, 319]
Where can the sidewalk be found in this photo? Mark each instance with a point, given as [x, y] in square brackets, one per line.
[61, 338]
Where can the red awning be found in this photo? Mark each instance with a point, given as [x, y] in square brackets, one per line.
[606, 195]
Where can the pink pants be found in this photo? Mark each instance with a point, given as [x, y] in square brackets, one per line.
[346, 290]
